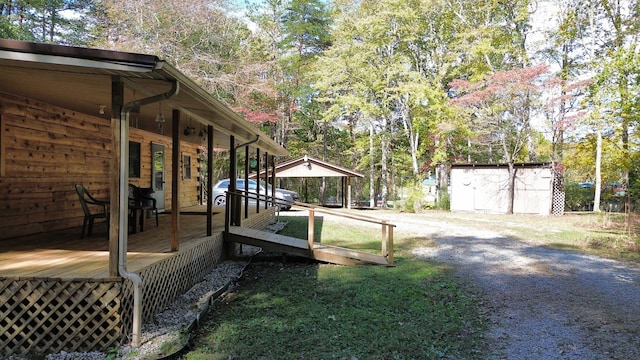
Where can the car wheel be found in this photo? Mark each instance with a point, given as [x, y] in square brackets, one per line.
[219, 200]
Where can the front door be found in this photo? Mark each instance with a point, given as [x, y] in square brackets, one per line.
[157, 174]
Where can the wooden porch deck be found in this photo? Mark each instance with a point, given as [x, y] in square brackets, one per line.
[63, 255]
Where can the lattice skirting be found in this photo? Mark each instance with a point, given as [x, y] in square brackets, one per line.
[261, 220]
[170, 278]
[41, 316]
[47, 316]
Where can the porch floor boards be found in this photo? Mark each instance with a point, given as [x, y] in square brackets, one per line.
[63, 255]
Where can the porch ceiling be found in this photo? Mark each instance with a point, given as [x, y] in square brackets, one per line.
[80, 79]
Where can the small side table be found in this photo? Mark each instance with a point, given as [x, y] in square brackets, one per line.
[137, 215]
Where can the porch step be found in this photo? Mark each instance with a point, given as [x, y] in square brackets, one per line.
[298, 247]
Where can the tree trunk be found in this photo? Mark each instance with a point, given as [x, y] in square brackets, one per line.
[512, 187]
[412, 135]
[598, 190]
[355, 158]
[442, 176]
[531, 146]
[372, 169]
[323, 181]
[384, 171]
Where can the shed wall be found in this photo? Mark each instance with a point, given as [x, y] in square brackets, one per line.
[485, 190]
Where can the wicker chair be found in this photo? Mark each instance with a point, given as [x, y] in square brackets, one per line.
[88, 202]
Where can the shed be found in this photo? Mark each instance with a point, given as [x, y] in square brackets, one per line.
[484, 188]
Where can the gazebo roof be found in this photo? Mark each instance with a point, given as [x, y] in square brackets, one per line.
[305, 166]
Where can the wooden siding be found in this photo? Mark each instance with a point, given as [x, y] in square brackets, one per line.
[189, 189]
[2, 151]
[45, 150]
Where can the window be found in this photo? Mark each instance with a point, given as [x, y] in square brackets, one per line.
[134, 159]
[186, 167]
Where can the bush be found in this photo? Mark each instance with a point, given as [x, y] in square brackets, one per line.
[445, 201]
[415, 202]
[578, 198]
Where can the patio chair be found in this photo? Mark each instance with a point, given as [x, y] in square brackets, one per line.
[138, 198]
[89, 217]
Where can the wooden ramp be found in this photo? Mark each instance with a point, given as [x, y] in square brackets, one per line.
[298, 247]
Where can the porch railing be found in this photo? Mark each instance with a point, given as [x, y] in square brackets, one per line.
[237, 197]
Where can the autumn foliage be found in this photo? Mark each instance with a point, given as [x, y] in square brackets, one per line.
[498, 85]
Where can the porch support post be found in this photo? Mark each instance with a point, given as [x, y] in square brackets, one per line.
[348, 192]
[383, 242]
[273, 177]
[266, 178]
[175, 180]
[343, 184]
[311, 228]
[117, 101]
[209, 182]
[246, 182]
[122, 197]
[258, 179]
[234, 205]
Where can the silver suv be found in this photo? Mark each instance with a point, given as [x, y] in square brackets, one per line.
[285, 198]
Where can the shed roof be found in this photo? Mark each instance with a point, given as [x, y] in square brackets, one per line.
[496, 166]
[80, 79]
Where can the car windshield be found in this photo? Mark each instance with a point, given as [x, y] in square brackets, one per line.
[263, 184]
[253, 185]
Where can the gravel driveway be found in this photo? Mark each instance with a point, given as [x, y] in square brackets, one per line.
[543, 303]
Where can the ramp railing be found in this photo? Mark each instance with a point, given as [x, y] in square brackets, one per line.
[386, 233]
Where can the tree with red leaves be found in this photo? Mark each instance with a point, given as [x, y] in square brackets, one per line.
[500, 108]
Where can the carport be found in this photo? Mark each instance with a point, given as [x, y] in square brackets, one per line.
[308, 167]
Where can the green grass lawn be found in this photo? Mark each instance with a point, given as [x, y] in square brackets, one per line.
[365, 237]
[415, 310]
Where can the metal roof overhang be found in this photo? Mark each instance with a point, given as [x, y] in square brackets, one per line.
[80, 79]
